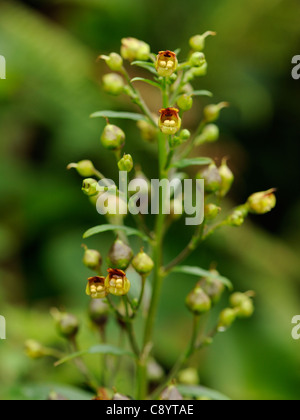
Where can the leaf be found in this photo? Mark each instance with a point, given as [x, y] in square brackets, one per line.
[201, 391]
[184, 163]
[116, 114]
[41, 392]
[202, 93]
[178, 51]
[99, 349]
[107, 228]
[200, 272]
[145, 65]
[150, 82]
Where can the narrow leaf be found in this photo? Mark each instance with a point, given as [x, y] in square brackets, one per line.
[100, 349]
[201, 391]
[145, 65]
[107, 228]
[178, 51]
[200, 272]
[123, 115]
[202, 93]
[184, 163]
[150, 82]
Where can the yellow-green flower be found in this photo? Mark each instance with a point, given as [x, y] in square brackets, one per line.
[169, 121]
[96, 288]
[117, 283]
[166, 63]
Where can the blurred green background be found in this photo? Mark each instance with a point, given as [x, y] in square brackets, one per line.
[53, 85]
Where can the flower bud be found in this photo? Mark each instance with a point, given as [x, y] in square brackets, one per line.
[211, 211]
[185, 102]
[188, 376]
[262, 202]
[67, 324]
[212, 179]
[227, 178]
[210, 134]
[243, 304]
[213, 287]
[126, 163]
[85, 168]
[236, 219]
[199, 71]
[134, 49]
[143, 264]
[171, 394]
[114, 61]
[197, 42]
[198, 302]
[113, 138]
[197, 59]
[148, 131]
[166, 63]
[120, 255]
[34, 350]
[113, 84]
[96, 287]
[237, 299]
[185, 135]
[117, 283]
[98, 312]
[90, 187]
[170, 121]
[92, 259]
[226, 319]
[212, 112]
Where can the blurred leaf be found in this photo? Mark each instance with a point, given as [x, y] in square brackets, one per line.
[123, 115]
[201, 391]
[144, 65]
[202, 93]
[150, 82]
[100, 349]
[184, 163]
[200, 272]
[106, 228]
[42, 391]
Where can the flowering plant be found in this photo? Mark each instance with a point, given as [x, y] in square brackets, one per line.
[111, 294]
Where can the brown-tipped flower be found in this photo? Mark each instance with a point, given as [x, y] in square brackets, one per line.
[262, 202]
[169, 121]
[120, 255]
[166, 63]
[117, 283]
[96, 288]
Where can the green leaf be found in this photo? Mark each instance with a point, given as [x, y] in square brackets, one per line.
[201, 391]
[178, 51]
[107, 228]
[40, 392]
[200, 272]
[184, 163]
[145, 65]
[202, 93]
[123, 115]
[99, 349]
[150, 82]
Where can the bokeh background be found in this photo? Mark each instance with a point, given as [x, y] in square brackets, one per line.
[53, 85]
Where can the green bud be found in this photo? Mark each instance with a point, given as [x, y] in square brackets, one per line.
[185, 102]
[197, 42]
[98, 312]
[120, 255]
[199, 71]
[188, 376]
[90, 187]
[197, 59]
[198, 302]
[211, 211]
[126, 163]
[237, 299]
[143, 264]
[212, 112]
[67, 324]
[114, 61]
[148, 131]
[213, 287]
[171, 394]
[212, 179]
[243, 304]
[113, 84]
[210, 134]
[227, 178]
[236, 219]
[185, 135]
[113, 138]
[85, 168]
[92, 259]
[134, 49]
[34, 350]
[262, 202]
[227, 318]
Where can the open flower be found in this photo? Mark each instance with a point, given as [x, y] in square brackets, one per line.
[169, 121]
[96, 288]
[117, 283]
[166, 63]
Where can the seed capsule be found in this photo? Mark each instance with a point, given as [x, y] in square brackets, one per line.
[98, 312]
[92, 259]
[143, 264]
[227, 318]
[113, 84]
[198, 302]
[120, 255]
[212, 179]
[67, 324]
[113, 138]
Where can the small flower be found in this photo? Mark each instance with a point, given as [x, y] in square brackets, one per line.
[92, 259]
[96, 288]
[126, 163]
[114, 61]
[143, 264]
[120, 255]
[170, 121]
[166, 63]
[134, 49]
[113, 84]
[90, 187]
[262, 202]
[85, 168]
[113, 138]
[117, 283]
